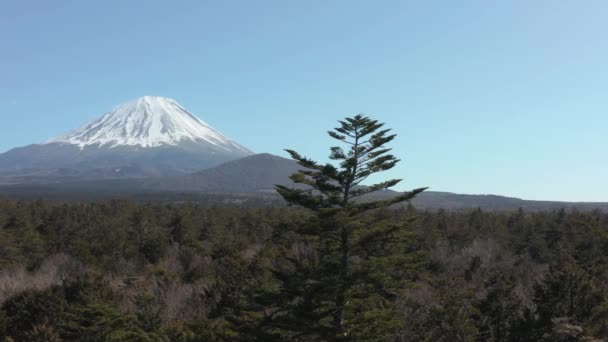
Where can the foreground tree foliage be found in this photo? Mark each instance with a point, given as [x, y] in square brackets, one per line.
[345, 287]
[339, 265]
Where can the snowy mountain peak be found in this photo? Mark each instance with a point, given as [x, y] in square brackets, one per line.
[148, 121]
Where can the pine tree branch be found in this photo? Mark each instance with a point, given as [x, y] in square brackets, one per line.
[360, 208]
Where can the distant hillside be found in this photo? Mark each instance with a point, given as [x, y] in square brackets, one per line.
[451, 201]
[251, 180]
[257, 173]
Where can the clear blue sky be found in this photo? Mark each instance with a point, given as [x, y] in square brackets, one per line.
[504, 97]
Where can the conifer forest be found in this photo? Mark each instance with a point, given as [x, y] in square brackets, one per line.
[333, 264]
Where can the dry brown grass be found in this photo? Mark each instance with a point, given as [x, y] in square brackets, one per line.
[52, 271]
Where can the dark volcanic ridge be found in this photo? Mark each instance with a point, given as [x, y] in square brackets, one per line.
[252, 179]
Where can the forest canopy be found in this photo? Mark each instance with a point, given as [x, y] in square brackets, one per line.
[151, 272]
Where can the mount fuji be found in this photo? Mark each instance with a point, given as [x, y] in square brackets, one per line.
[149, 136]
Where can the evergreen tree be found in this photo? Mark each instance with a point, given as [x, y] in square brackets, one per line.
[569, 296]
[349, 265]
[501, 309]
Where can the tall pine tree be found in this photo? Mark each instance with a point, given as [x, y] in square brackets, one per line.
[340, 280]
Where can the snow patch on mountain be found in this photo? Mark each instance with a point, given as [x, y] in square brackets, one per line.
[148, 121]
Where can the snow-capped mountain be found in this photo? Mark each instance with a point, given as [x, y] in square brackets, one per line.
[148, 121]
[152, 134]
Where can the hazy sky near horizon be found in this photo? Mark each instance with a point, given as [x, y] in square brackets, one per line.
[507, 98]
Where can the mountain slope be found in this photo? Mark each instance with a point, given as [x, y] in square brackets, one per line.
[256, 173]
[252, 179]
[148, 121]
[155, 135]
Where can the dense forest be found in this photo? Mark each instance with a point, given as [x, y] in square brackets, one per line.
[336, 265]
[119, 271]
